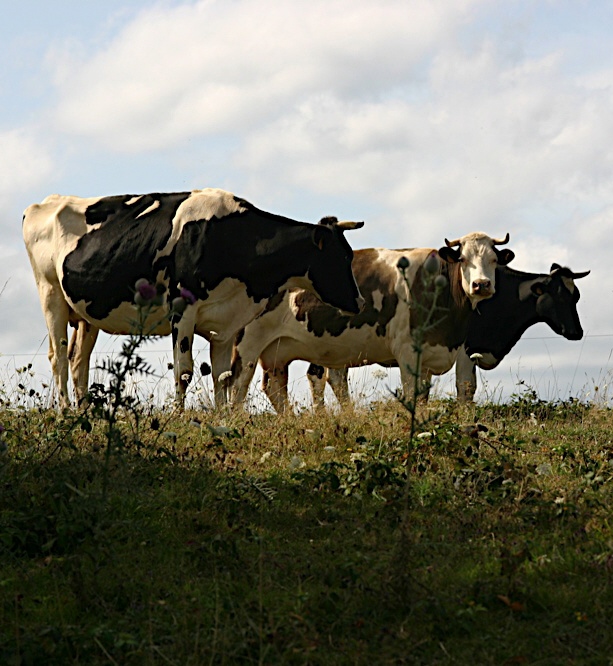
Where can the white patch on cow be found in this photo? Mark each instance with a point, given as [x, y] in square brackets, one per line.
[438, 358]
[569, 284]
[377, 300]
[200, 205]
[57, 216]
[226, 308]
[134, 200]
[121, 320]
[154, 205]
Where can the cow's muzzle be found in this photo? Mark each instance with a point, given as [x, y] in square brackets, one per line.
[482, 288]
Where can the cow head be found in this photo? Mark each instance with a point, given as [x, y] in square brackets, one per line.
[556, 300]
[331, 264]
[478, 258]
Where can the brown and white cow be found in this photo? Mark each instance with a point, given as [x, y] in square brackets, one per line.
[521, 300]
[229, 256]
[300, 326]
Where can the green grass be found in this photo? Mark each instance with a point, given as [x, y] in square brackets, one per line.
[264, 545]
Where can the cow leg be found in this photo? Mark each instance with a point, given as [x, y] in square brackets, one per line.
[317, 376]
[465, 376]
[274, 384]
[56, 313]
[409, 364]
[338, 378]
[241, 378]
[79, 354]
[182, 342]
[425, 385]
[221, 364]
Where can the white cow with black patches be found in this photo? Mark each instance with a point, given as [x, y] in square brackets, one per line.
[229, 256]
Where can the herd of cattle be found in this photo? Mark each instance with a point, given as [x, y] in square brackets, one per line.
[264, 288]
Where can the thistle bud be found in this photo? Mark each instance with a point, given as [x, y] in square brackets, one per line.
[440, 282]
[187, 296]
[403, 263]
[432, 263]
[178, 305]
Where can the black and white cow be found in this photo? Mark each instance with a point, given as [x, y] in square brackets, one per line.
[302, 327]
[521, 300]
[229, 256]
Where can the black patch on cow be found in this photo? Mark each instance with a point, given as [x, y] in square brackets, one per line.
[373, 276]
[316, 371]
[184, 345]
[275, 301]
[107, 261]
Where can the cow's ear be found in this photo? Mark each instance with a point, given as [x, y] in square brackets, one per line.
[450, 255]
[505, 256]
[319, 234]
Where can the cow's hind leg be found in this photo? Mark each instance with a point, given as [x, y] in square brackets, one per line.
[79, 354]
[338, 378]
[56, 313]
[274, 384]
[317, 376]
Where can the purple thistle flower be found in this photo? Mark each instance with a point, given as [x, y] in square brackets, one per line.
[187, 295]
[147, 291]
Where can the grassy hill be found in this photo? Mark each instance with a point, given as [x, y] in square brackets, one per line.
[207, 538]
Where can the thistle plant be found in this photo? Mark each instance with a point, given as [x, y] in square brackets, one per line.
[107, 402]
[428, 314]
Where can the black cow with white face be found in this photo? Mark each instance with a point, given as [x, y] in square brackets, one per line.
[523, 299]
[226, 254]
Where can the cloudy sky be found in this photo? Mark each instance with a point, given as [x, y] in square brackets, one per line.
[426, 119]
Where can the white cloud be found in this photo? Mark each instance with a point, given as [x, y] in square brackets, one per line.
[228, 67]
[24, 162]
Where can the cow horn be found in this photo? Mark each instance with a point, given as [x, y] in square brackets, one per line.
[348, 224]
[567, 272]
[454, 243]
[504, 241]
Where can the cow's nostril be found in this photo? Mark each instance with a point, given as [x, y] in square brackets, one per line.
[481, 285]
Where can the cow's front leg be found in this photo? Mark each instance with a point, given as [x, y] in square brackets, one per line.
[182, 342]
[410, 366]
[465, 376]
[221, 366]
